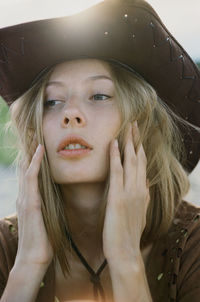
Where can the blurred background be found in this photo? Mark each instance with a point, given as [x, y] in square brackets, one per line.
[181, 18]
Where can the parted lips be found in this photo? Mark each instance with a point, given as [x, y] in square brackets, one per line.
[73, 139]
[128, 31]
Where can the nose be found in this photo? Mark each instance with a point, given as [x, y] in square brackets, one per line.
[73, 116]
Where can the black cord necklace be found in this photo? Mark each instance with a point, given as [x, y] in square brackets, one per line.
[95, 277]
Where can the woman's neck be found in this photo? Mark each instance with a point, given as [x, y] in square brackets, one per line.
[83, 203]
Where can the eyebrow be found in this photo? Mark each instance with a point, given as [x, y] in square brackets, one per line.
[93, 78]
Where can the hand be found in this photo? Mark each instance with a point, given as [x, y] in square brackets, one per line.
[33, 246]
[128, 199]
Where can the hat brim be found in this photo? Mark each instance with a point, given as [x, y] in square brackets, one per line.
[126, 31]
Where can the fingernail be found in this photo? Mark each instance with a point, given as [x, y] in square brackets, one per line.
[116, 143]
[136, 124]
[38, 147]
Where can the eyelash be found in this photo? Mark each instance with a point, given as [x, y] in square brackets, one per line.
[48, 103]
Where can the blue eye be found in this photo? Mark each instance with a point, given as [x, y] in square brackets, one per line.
[96, 97]
[51, 103]
[99, 96]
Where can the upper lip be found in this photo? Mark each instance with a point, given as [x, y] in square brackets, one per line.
[73, 139]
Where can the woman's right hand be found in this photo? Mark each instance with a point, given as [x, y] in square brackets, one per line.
[34, 247]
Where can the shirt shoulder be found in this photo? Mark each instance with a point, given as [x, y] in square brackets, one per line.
[8, 247]
[8, 251]
[184, 253]
[174, 268]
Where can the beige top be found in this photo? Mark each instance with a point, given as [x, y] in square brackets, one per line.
[173, 266]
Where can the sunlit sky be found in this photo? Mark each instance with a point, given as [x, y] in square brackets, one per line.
[182, 17]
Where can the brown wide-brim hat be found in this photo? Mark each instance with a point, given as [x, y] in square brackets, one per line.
[128, 31]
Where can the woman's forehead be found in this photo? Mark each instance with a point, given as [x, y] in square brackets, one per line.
[81, 67]
[80, 71]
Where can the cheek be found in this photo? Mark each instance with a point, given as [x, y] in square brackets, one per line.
[49, 133]
[109, 117]
[113, 124]
[48, 129]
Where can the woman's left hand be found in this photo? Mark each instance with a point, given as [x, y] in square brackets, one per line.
[128, 199]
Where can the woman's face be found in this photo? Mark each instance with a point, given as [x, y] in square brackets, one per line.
[80, 101]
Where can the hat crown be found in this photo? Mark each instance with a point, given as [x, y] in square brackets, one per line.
[128, 31]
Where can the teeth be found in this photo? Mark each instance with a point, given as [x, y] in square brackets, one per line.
[74, 146]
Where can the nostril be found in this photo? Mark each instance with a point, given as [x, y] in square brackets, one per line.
[66, 120]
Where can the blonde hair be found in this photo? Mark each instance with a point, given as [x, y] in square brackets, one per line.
[136, 100]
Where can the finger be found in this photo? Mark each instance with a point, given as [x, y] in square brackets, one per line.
[34, 167]
[135, 161]
[130, 160]
[148, 197]
[136, 136]
[116, 169]
[137, 139]
[32, 146]
[25, 162]
[34, 143]
[22, 167]
[141, 156]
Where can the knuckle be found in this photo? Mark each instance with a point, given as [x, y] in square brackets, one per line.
[36, 205]
[112, 196]
[20, 200]
[30, 207]
[140, 194]
[129, 189]
[25, 210]
[118, 170]
[119, 206]
[115, 153]
[130, 147]
[117, 202]
[29, 175]
[133, 160]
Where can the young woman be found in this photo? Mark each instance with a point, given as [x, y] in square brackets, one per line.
[100, 210]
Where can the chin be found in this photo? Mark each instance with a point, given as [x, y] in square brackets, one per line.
[69, 173]
[78, 179]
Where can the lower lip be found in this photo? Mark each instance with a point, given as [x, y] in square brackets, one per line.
[74, 153]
